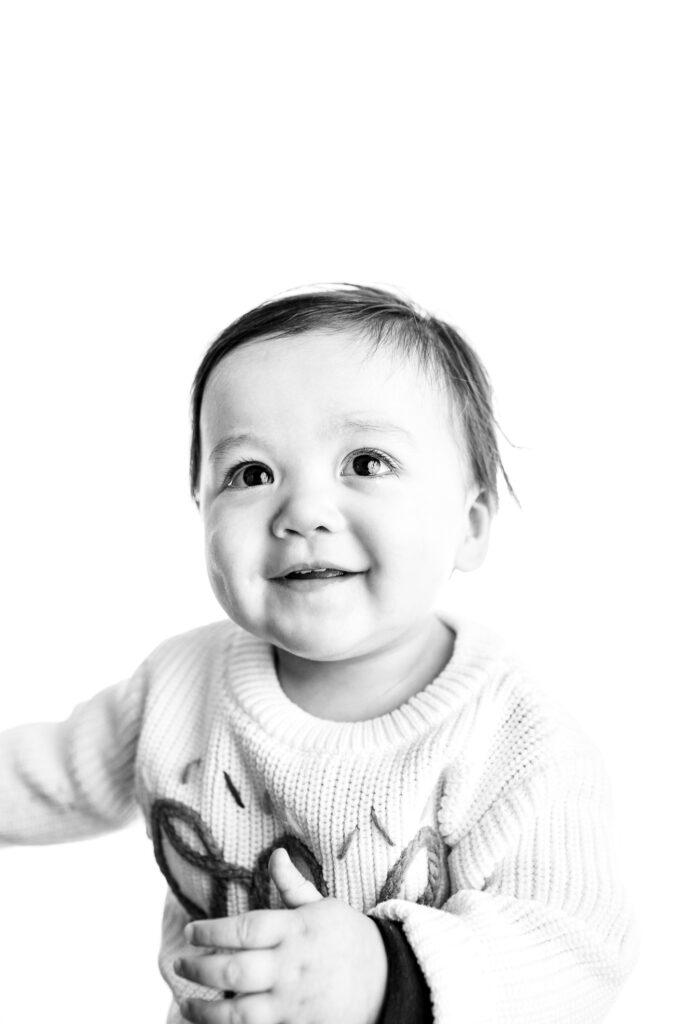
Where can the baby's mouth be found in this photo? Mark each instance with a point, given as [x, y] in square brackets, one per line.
[314, 574]
[310, 577]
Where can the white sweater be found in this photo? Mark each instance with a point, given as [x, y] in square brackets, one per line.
[475, 814]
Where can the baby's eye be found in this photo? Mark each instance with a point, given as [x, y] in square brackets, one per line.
[369, 463]
[248, 474]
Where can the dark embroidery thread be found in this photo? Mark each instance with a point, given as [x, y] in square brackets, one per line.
[382, 831]
[206, 855]
[164, 814]
[184, 778]
[346, 845]
[434, 892]
[233, 790]
[209, 859]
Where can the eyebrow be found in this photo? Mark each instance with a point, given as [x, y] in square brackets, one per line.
[356, 424]
[230, 442]
[345, 426]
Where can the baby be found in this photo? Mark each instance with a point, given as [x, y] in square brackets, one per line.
[364, 811]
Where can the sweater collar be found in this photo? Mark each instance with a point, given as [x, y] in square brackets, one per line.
[254, 686]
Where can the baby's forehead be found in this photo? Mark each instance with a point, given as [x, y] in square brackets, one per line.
[314, 353]
[330, 368]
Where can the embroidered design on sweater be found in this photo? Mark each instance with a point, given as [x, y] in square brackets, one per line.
[436, 889]
[185, 777]
[382, 831]
[234, 791]
[346, 845]
[204, 854]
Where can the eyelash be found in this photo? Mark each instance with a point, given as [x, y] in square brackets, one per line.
[373, 453]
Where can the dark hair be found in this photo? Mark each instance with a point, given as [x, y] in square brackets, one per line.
[383, 317]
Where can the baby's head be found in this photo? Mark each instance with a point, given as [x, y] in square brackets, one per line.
[345, 462]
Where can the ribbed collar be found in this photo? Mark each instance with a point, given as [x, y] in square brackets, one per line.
[254, 686]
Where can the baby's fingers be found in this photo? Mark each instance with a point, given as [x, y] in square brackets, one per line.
[259, 1009]
[253, 971]
[257, 929]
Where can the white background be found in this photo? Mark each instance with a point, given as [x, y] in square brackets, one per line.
[515, 167]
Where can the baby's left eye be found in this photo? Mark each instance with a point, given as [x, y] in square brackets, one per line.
[369, 463]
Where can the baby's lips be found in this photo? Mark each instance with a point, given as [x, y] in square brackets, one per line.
[310, 568]
[316, 574]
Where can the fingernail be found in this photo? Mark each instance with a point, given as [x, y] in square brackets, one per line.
[189, 933]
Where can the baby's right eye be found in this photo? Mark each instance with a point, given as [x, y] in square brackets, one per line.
[248, 474]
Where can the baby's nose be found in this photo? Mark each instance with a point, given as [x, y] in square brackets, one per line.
[306, 512]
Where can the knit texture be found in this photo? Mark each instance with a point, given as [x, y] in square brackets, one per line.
[476, 815]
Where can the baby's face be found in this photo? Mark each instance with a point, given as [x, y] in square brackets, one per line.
[318, 453]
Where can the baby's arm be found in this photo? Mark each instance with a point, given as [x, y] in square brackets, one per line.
[67, 780]
[536, 930]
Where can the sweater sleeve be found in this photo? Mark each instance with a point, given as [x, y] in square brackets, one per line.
[67, 780]
[535, 929]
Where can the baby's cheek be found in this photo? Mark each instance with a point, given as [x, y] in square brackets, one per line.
[231, 572]
[216, 562]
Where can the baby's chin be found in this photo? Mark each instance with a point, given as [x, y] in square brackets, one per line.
[314, 648]
[321, 644]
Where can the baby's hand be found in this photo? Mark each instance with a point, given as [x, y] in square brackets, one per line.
[319, 962]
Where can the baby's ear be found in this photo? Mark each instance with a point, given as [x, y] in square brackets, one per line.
[475, 543]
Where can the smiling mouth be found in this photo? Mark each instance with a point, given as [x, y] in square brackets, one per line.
[315, 574]
[313, 578]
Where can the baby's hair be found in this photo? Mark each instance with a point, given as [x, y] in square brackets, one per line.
[382, 317]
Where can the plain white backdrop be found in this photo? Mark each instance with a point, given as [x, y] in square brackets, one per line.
[515, 168]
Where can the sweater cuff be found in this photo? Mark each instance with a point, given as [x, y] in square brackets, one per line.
[407, 999]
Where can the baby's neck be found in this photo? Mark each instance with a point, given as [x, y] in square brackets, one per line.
[370, 685]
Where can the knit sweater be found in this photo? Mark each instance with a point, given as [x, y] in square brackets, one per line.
[475, 815]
